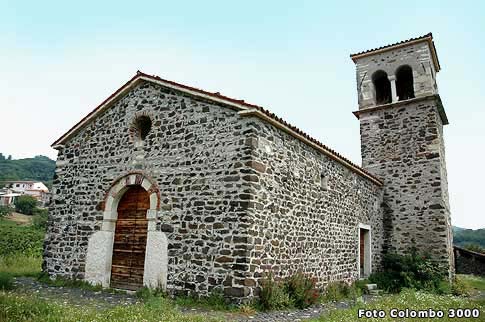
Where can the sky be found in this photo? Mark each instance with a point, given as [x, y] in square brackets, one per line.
[60, 59]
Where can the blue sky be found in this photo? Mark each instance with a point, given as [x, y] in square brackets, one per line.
[59, 60]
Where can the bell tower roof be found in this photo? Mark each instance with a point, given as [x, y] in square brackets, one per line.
[425, 38]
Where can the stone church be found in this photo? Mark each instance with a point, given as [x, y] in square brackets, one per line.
[168, 186]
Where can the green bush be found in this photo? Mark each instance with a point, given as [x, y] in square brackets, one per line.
[444, 287]
[460, 288]
[273, 294]
[25, 204]
[361, 286]
[297, 290]
[337, 291]
[5, 211]
[412, 270]
[302, 290]
[6, 281]
[39, 218]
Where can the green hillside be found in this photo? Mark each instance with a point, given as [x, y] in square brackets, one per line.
[39, 168]
[462, 236]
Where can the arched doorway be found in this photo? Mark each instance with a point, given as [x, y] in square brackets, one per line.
[129, 247]
[128, 252]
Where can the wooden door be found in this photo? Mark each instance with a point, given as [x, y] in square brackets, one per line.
[130, 240]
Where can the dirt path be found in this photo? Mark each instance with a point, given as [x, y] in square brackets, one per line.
[20, 219]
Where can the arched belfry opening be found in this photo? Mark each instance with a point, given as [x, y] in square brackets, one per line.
[382, 87]
[404, 83]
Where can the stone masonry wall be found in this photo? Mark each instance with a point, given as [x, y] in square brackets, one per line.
[403, 145]
[468, 262]
[238, 196]
[195, 152]
[305, 210]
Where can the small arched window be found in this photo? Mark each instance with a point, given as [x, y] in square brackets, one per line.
[140, 128]
[404, 83]
[382, 87]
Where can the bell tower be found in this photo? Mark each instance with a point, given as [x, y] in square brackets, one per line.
[401, 124]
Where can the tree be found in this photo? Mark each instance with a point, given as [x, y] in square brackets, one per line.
[25, 204]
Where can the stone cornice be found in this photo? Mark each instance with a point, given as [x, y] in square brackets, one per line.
[436, 97]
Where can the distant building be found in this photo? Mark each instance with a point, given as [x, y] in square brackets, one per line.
[7, 197]
[35, 189]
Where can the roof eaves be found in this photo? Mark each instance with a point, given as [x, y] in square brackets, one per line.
[235, 103]
[304, 137]
[95, 111]
[428, 37]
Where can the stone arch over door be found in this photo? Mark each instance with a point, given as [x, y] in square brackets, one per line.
[100, 245]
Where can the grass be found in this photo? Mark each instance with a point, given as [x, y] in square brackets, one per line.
[15, 307]
[21, 265]
[474, 282]
[214, 302]
[417, 300]
[407, 299]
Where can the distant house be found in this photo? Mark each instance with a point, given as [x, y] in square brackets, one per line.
[7, 197]
[35, 189]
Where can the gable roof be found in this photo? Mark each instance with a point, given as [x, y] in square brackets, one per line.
[245, 109]
[428, 38]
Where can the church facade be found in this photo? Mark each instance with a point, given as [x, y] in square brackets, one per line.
[168, 186]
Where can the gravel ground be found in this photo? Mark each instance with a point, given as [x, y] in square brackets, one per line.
[73, 296]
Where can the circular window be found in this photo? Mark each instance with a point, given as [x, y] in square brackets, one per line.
[142, 126]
